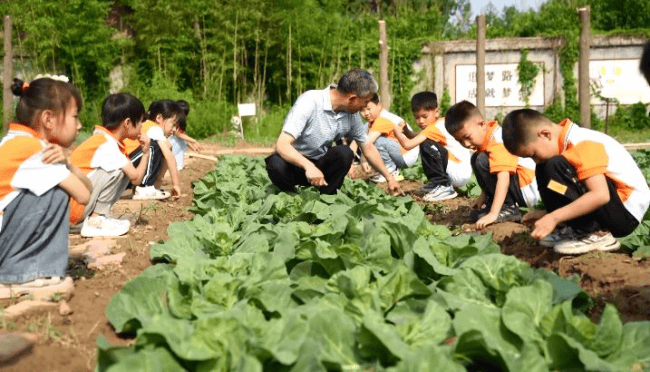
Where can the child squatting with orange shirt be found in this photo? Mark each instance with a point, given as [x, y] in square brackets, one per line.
[380, 132]
[103, 158]
[162, 121]
[445, 162]
[507, 181]
[589, 182]
[36, 184]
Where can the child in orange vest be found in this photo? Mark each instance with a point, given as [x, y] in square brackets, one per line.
[445, 162]
[103, 158]
[588, 181]
[36, 184]
[507, 181]
[162, 121]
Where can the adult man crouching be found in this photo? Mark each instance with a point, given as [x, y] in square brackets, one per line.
[304, 152]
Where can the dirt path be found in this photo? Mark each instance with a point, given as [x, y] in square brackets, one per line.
[67, 343]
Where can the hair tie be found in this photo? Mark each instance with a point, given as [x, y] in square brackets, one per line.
[25, 86]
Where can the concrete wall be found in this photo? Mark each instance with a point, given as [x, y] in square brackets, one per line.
[448, 63]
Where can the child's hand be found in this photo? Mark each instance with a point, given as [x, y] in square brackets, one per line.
[544, 226]
[195, 146]
[486, 220]
[532, 215]
[54, 154]
[176, 191]
[144, 141]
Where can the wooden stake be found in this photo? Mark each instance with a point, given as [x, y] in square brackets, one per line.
[480, 64]
[583, 69]
[7, 76]
[201, 156]
[383, 66]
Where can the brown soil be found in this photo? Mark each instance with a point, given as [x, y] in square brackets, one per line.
[67, 343]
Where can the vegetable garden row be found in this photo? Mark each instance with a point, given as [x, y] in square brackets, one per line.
[358, 281]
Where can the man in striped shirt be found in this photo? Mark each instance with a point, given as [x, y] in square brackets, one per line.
[304, 152]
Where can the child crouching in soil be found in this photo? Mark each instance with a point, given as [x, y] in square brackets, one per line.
[507, 181]
[163, 117]
[180, 141]
[591, 186]
[36, 184]
[445, 162]
[103, 158]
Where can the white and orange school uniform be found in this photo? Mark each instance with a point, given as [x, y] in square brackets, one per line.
[101, 157]
[155, 134]
[501, 160]
[384, 124]
[22, 167]
[459, 166]
[591, 153]
[33, 209]
[152, 130]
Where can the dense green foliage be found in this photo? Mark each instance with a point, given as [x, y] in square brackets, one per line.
[266, 52]
[268, 281]
[218, 53]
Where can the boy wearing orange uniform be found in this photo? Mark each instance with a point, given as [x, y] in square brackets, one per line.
[103, 158]
[162, 121]
[587, 181]
[380, 132]
[507, 181]
[445, 162]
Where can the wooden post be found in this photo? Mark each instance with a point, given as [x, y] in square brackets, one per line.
[583, 69]
[383, 66]
[7, 77]
[480, 64]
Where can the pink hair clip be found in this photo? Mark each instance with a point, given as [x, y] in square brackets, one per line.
[25, 86]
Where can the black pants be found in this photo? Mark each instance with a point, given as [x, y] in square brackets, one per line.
[613, 216]
[435, 158]
[488, 182]
[335, 165]
[153, 167]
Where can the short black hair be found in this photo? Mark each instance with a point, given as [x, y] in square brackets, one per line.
[184, 105]
[121, 106]
[424, 101]
[375, 98]
[167, 108]
[518, 128]
[644, 65]
[458, 114]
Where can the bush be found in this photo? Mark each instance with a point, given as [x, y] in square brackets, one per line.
[631, 117]
[269, 126]
[209, 117]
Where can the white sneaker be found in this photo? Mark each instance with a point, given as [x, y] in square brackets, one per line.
[100, 226]
[599, 240]
[379, 178]
[440, 193]
[149, 193]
